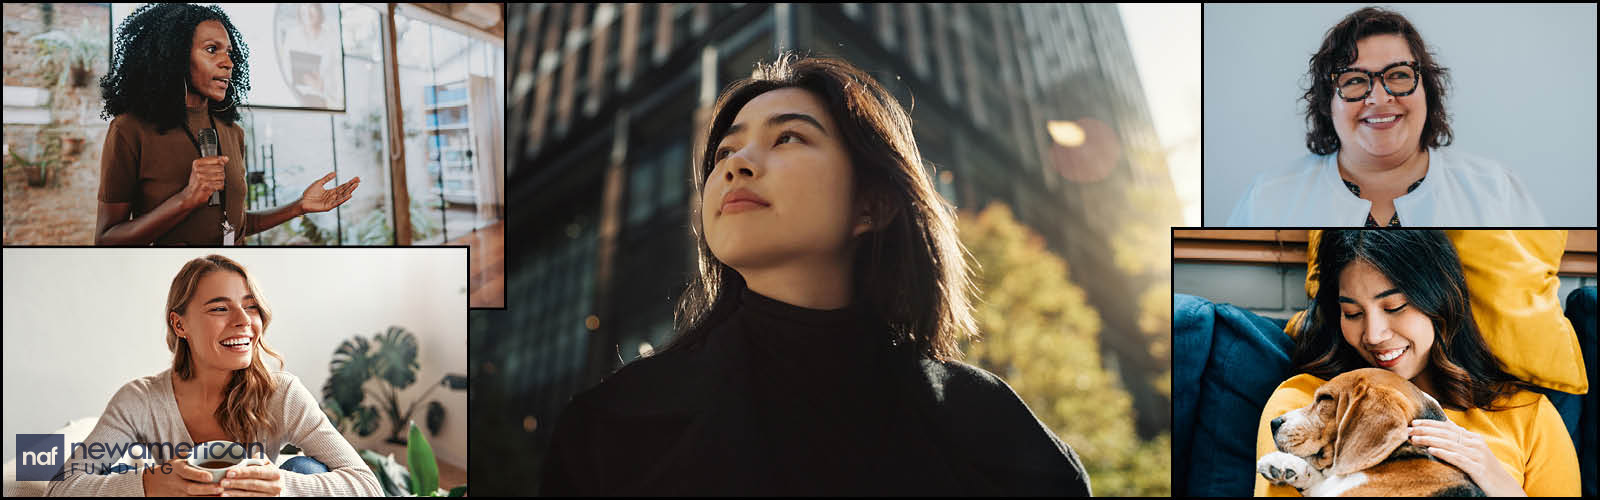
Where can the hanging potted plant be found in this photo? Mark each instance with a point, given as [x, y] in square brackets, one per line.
[37, 169]
[69, 57]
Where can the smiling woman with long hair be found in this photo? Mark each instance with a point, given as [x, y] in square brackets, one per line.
[219, 388]
[816, 345]
[177, 69]
[1398, 300]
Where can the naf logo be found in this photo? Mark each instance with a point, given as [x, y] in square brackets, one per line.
[40, 456]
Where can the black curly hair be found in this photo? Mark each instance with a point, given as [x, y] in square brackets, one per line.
[152, 50]
[1339, 49]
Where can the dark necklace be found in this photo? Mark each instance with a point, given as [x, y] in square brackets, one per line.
[1394, 220]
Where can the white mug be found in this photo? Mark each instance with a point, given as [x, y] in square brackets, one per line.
[218, 453]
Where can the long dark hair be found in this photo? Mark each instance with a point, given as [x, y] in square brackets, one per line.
[151, 54]
[911, 270]
[1339, 49]
[1425, 267]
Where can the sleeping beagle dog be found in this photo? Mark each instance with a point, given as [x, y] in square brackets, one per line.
[1351, 441]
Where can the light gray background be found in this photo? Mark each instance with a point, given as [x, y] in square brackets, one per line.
[81, 322]
[1255, 58]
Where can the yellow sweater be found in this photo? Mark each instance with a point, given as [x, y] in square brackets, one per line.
[1531, 441]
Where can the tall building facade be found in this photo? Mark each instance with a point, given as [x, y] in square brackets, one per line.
[1036, 106]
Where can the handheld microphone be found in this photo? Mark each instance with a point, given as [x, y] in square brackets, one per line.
[208, 147]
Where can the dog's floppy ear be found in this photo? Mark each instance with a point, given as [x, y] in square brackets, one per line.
[1372, 423]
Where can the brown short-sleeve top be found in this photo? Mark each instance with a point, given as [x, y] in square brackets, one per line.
[143, 167]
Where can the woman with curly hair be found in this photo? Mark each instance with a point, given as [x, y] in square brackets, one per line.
[182, 68]
[1378, 128]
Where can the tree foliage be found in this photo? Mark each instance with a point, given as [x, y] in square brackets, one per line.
[1040, 335]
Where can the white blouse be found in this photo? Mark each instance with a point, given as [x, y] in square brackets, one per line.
[1459, 190]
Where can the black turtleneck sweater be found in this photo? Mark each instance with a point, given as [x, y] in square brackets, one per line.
[784, 400]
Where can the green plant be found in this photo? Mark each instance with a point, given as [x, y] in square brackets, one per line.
[36, 170]
[68, 57]
[372, 229]
[421, 480]
[46, 157]
[394, 364]
[423, 225]
[1041, 333]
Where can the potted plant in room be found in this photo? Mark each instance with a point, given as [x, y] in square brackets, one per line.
[68, 57]
[46, 152]
[421, 479]
[394, 365]
[35, 169]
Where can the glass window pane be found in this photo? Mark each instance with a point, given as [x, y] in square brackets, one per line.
[641, 182]
[288, 151]
[368, 217]
[674, 175]
[424, 146]
[453, 92]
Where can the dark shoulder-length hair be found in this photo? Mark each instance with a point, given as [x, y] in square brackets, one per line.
[1339, 50]
[150, 65]
[910, 271]
[1423, 265]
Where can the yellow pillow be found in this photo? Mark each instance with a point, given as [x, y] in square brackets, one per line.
[1515, 299]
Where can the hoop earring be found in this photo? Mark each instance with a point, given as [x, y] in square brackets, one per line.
[215, 110]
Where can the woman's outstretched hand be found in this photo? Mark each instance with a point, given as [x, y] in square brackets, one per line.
[319, 199]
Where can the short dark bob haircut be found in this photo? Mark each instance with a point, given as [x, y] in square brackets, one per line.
[1339, 50]
[910, 271]
[1424, 265]
[150, 65]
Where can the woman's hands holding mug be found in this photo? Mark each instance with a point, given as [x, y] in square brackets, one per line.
[184, 480]
[252, 481]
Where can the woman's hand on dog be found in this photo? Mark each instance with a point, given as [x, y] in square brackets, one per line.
[1467, 451]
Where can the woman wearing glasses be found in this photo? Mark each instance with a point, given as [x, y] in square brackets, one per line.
[1377, 118]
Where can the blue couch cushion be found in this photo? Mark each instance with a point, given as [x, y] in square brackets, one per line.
[1236, 358]
[1580, 309]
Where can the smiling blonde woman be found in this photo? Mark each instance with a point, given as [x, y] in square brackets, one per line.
[218, 389]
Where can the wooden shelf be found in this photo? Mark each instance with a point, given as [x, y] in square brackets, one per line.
[1288, 246]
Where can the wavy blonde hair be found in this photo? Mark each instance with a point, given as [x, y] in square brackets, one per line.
[243, 414]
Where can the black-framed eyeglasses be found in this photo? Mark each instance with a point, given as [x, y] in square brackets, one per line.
[1399, 79]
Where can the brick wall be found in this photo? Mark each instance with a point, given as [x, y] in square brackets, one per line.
[62, 212]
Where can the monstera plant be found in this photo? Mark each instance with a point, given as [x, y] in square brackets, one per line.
[394, 365]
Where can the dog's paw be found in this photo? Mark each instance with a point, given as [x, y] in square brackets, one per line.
[1285, 469]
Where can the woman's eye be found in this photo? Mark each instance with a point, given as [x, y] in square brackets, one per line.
[1352, 315]
[791, 135]
[1397, 309]
[722, 153]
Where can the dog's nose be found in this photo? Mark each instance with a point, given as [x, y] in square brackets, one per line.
[1275, 423]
